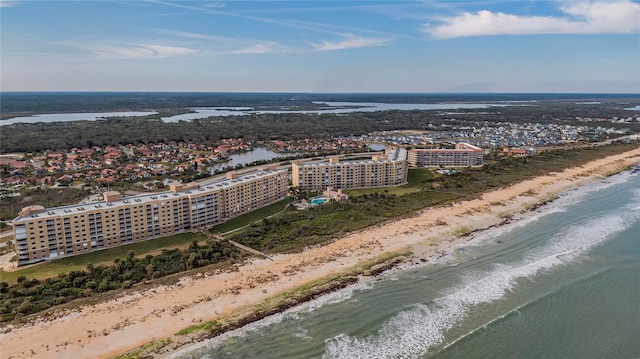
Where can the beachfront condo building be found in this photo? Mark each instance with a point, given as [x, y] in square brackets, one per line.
[383, 170]
[464, 155]
[42, 234]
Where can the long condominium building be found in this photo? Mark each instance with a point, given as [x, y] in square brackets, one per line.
[464, 155]
[385, 170]
[42, 234]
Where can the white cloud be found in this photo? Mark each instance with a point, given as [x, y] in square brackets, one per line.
[607, 17]
[221, 45]
[149, 51]
[350, 41]
[215, 5]
[584, 17]
[7, 3]
[261, 48]
[194, 36]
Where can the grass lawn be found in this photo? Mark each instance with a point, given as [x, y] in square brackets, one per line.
[78, 262]
[416, 179]
[153, 246]
[6, 239]
[251, 217]
[398, 191]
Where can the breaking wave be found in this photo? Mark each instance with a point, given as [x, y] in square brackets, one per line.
[288, 315]
[558, 205]
[423, 327]
[411, 333]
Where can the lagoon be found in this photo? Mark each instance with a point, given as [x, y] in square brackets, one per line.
[244, 158]
[265, 154]
[331, 108]
[377, 106]
[205, 112]
[80, 116]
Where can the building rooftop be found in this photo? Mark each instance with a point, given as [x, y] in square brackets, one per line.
[394, 155]
[38, 212]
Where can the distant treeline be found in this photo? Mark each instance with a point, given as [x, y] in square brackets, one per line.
[122, 131]
[48, 102]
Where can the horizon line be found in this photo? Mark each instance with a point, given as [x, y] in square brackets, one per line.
[323, 93]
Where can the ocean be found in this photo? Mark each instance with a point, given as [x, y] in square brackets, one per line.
[560, 282]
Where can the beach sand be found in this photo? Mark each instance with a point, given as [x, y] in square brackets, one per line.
[124, 323]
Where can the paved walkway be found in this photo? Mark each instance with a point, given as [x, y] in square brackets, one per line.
[5, 263]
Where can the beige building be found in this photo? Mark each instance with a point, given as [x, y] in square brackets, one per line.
[56, 232]
[385, 170]
[464, 155]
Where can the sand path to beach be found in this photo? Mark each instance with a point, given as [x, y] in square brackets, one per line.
[118, 325]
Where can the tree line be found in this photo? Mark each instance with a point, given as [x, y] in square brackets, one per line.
[30, 296]
[34, 137]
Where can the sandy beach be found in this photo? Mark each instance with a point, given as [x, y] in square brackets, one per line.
[124, 323]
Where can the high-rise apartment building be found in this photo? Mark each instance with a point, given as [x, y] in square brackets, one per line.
[464, 155]
[55, 232]
[385, 170]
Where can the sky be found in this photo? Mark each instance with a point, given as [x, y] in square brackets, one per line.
[427, 46]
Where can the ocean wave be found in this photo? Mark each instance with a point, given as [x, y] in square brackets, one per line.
[198, 350]
[302, 333]
[521, 308]
[518, 221]
[558, 205]
[419, 328]
[292, 314]
[335, 297]
[411, 333]
[580, 237]
[578, 194]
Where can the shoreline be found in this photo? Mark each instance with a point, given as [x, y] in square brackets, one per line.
[129, 321]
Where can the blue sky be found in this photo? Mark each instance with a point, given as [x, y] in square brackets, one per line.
[321, 46]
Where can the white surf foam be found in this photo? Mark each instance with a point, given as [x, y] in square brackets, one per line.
[336, 297]
[292, 314]
[577, 194]
[558, 205]
[412, 332]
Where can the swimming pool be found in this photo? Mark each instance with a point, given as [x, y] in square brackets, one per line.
[318, 200]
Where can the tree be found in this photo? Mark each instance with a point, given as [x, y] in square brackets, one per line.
[150, 269]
